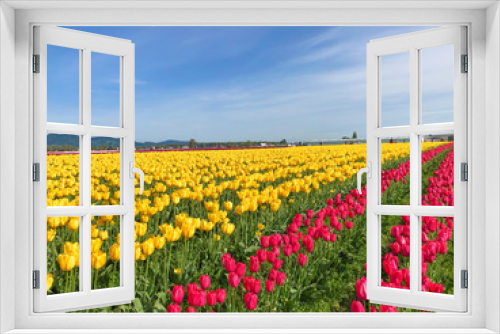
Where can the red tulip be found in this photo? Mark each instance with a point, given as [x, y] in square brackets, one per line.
[275, 240]
[309, 214]
[254, 264]
[177, 294]
[273, 274]
[234, 279]
[205, 282]
[333, 237]
[230, 265]
[190, 309]
[173, 308]
[250, 301]
[256, 286]
[280, 278]
[271, 257]
[373, 309]
[261, 255]
[240, 269]
[295, 247]
[361, 288]
[248, 283]
[356, 306]
[387, 308]
[211, 298]
[395, 248]
[302, 260]
[221, 295]
[287, 250]
[349, 224]
[264, 241]
[269, 285]
[277, 264]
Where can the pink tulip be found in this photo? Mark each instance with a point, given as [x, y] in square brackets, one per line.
[269, 285]
[177, 294]
[251, 301]
[234, 279]
[302, 259]
[173, 308]
[221, 295]
[254, 264]
[361, 288]
[356, 306]
[205, 282]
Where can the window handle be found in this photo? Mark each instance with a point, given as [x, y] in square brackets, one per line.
[367, 170]
[134, 170]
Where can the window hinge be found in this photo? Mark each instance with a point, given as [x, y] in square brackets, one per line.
[36, 172]
[465, 279]
[464, 172]
[36, 279]
[36, 63]
[465, 64]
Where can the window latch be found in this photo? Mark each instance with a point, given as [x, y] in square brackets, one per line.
[36, 63]
[465, 279]
[36, 172]
[464, 171]
[367, 170]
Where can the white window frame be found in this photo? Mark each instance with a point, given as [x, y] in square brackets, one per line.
[413, 43]
[86, 44]
[484, 48]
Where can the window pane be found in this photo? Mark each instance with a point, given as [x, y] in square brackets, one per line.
[63, 170]
[437, 170]
[63, 255]
[437, 253]
[105, 90]
[105, 171]
[105, 252]
[395, 251]
[437, 84]
[395, 89]
[63, 85]
[395, 171]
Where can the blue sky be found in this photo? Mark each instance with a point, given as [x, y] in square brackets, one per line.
[249, 83]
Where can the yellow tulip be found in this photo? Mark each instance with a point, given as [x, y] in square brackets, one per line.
[228, 206]
[98, 259]
[103, 235]
[148, 247]
[95, 245]
[228, 228]
[51, 234]
[114, 252]
[261, 226]
[177, 271]
[74, 223]
[50, 281]
[188, 231]
[66, 262]
[159, 242]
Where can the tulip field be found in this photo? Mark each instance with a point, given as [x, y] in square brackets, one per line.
[280, 229]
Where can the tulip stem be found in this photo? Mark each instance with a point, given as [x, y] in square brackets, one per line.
[66, 290]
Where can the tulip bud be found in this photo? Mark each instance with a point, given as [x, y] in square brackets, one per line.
[356, 306]
[254, 264]
[177, 294]
[269, 285]
[261, 255]
[241, 269]
[264, 241]
[277, 264]
[273, 274]
[302, 259]
[173, 308]
[211, 298]
[280, 278]
[190, 309]
[205, 282]
[221, 295]
[361, 288]
[234, 279]
[250, 301]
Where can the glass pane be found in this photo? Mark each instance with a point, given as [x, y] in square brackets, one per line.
[63, 255]
[105, 90]
[63, 170]
[437, 255]
[395, 89]
[395, 242]
[437, 170]
[395, 171]
[437, 84]
[105, 252]
[63, 85]
[105, 171]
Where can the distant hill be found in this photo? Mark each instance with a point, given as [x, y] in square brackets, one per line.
[72, 140]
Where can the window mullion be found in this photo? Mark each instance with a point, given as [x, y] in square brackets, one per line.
[414, 168]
